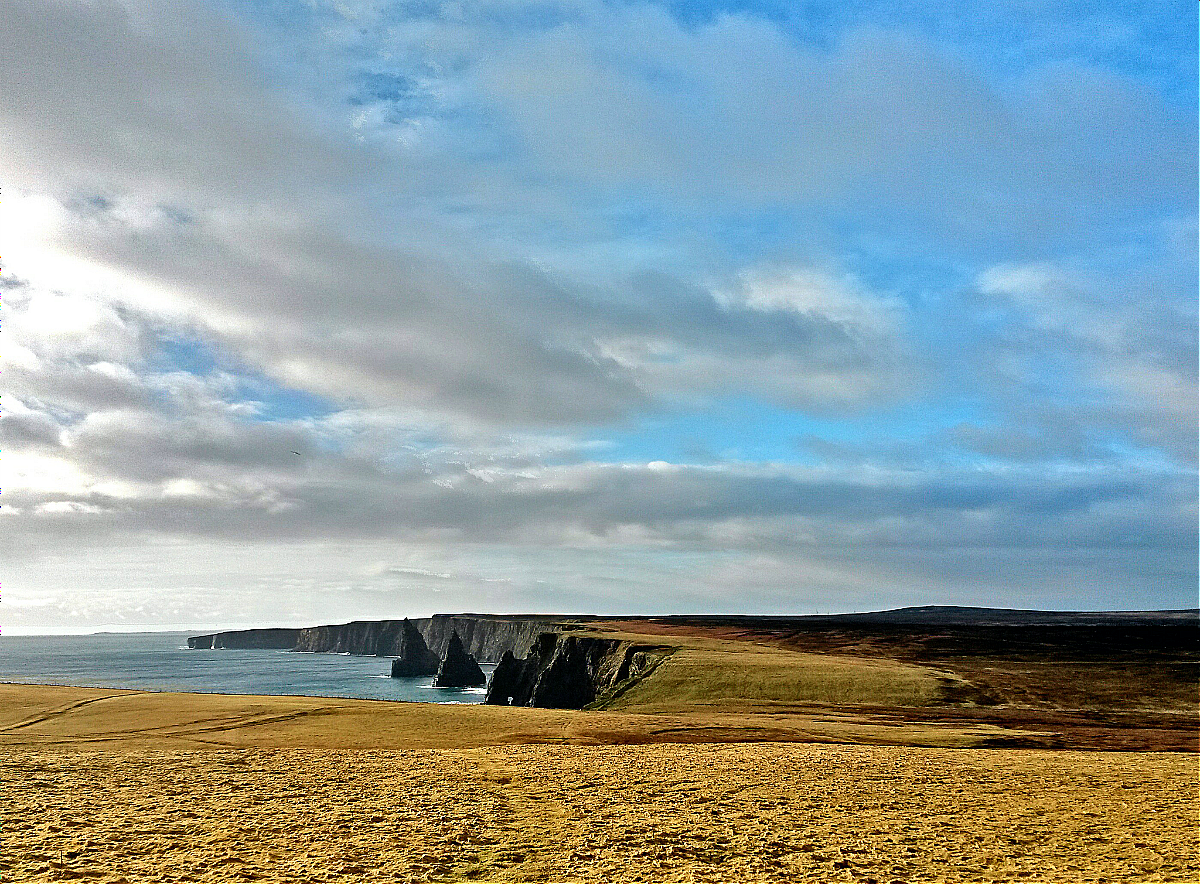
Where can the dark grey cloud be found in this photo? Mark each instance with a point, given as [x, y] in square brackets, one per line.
[779, 539]
[30, 429]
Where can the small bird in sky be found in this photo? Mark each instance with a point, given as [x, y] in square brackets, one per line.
[297, 453]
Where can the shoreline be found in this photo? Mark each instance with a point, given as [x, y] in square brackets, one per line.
[104, 687]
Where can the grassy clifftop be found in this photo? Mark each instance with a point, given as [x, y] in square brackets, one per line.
[743, 677]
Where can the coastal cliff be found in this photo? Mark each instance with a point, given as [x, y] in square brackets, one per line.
[379, 638]
[561, 669]
[484, 636]
[566, 671]
[247, 640]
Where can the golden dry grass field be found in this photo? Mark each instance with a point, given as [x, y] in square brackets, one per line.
[126, 786]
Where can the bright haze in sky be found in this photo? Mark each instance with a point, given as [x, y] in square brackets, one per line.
[330, 310]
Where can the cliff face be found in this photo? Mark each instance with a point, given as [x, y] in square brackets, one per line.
[570, 671]
[247, 640]
[380, 638]
[485, 637]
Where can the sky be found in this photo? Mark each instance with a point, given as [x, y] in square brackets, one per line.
[330, 310]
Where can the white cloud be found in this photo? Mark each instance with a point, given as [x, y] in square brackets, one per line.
[811, 292]
[1102, 355]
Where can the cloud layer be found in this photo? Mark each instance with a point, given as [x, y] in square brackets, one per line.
[591, 306]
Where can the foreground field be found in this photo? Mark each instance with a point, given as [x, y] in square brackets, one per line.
[126, 786]
[767, 812]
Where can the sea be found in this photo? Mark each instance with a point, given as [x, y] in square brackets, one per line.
[162, 661]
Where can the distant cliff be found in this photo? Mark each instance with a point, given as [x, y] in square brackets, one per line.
[247, 640]
[380, 638]
[565, 671]
[485, 636]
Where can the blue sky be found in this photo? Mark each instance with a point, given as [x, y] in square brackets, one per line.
[369, 309]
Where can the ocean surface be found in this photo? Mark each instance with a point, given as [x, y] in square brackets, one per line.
[161, 661]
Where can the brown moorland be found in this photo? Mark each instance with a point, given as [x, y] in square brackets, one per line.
[1071, 681]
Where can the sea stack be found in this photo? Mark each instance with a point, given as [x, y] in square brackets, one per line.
[508, 679]
[458, 669]
[415, 657]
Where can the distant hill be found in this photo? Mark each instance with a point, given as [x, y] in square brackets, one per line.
[930, 615]
[967, 616]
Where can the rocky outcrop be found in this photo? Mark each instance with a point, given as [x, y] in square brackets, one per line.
[566, 671]
[414, 657]
[458, 669]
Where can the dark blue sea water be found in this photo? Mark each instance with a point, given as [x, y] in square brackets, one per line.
[161, 661]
